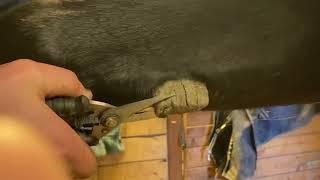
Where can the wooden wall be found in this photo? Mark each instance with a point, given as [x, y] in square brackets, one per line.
[198, 127]
[293, 156]
[145, 155]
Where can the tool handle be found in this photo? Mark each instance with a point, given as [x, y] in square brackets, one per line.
[69, 106]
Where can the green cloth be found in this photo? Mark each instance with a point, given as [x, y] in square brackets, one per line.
[109, 144]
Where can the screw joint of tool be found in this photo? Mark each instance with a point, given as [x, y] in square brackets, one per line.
[110, 121]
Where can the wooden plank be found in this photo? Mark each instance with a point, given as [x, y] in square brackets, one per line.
[149, 127]
[139, 149]
[287, 164]
[197, 141]
[198, 131]
[199, 126]
[196, 157]
[174, 149]
[200, 173]
[290, 145]
[199, 118]
[313, 174]
[148, 170]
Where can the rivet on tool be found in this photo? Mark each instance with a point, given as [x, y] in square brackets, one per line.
[111, 122]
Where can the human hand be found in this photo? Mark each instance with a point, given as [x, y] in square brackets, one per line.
[24, 86]
[37, 160]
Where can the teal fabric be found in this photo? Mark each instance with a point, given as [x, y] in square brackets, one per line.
[109, 144]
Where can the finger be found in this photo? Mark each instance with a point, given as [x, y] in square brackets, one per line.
[47, 80]
[88, 93]
[76, 151]
[65, 139]
[57, 81]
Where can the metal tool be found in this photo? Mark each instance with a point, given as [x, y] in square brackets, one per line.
[93, 119]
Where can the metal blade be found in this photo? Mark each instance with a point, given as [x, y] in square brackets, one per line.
[124, 112]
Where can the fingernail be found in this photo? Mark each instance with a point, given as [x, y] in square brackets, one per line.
[88, 93]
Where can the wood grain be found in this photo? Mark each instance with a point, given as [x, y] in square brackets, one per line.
[287, 164]
[200, 173]
[197, 141]
[196, 165]
[199, 118]
[198, 131]
[139, 149]
[196, 157]
[146, 170]
[290, 145]
[149, 127]
[313, 174]
[145, 154]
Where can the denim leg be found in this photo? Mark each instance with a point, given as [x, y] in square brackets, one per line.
[273, 121]
[243, 153]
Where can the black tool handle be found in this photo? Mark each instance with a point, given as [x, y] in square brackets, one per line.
[69, 106]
